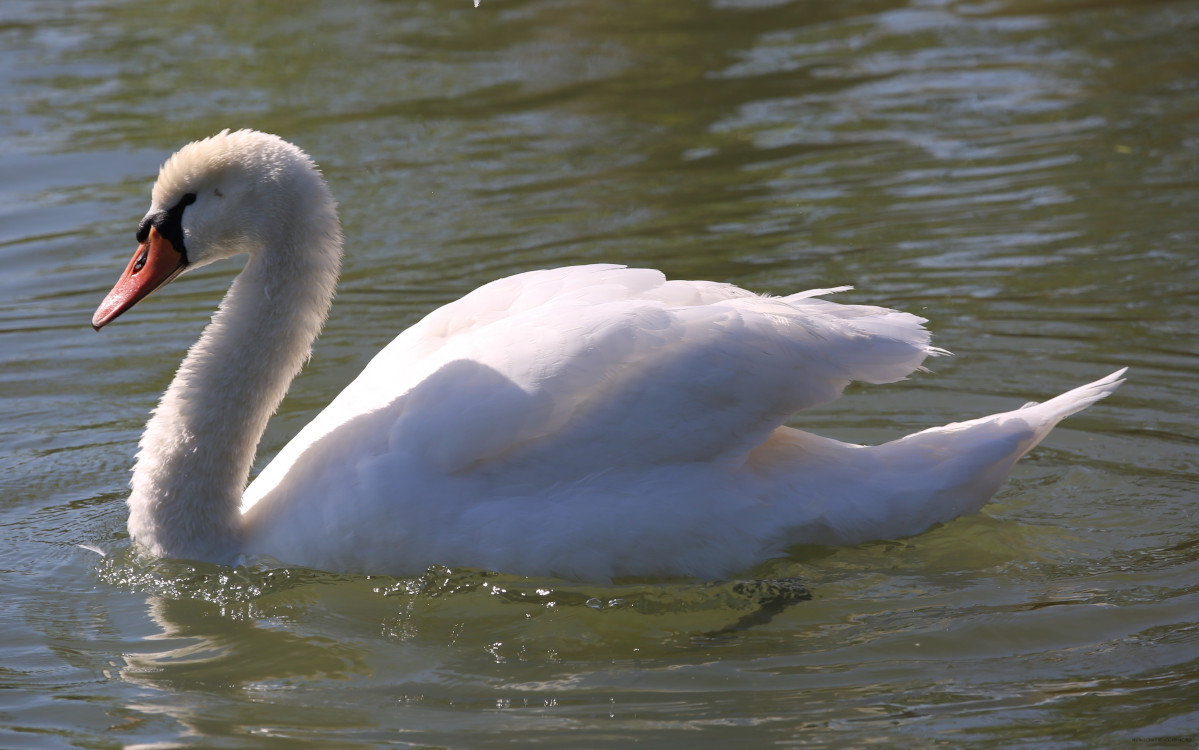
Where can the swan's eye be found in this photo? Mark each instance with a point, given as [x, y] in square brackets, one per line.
[169, 223]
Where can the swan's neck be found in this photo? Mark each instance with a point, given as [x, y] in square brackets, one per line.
[197, 450]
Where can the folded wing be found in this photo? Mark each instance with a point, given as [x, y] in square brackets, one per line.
[586, 369]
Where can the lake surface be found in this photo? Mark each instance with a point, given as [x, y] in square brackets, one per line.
[1024, 174]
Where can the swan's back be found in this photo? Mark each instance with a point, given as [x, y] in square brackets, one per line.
[590, 368]
[582, 394]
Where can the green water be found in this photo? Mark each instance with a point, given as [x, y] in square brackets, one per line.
[1024, 174]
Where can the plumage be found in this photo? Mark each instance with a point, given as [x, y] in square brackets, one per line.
[587, 422]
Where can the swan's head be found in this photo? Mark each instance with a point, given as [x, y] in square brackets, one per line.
[236, 192]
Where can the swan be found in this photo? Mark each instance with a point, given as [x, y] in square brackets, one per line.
[588, 423]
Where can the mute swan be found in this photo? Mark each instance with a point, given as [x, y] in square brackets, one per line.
[587, 422]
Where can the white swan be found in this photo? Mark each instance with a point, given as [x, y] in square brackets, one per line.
[587, 423]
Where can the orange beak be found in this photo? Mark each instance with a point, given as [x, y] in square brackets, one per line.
[154, 265]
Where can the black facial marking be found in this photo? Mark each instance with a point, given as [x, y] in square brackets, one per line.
[169, 224]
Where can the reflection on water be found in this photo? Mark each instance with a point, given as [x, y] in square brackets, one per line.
[190, 653]
[1022, 173]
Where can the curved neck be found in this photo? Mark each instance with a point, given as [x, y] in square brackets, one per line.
[197, 450]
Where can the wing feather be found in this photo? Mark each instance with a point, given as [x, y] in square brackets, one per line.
[592, 368]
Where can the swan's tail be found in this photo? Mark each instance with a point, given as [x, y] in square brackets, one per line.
[903, 487]
[1022, 428]
[1071, 402]
[971, 460]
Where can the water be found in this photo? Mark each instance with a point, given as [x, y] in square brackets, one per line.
[1025, 174]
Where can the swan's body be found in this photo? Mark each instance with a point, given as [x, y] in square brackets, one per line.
[588, 422]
